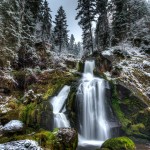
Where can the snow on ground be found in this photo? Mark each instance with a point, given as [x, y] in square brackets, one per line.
[13, 125]
[3, 104]
[135, 66]
[64, 56]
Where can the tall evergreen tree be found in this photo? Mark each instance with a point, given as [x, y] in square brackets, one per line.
[9, 30]
[136, 10]
[71, 43]
[35, 7]
[102, 27]
[46, 22]
[60, 29]
[86, 13]
[26, 53]
[125, 14]
[119, 24]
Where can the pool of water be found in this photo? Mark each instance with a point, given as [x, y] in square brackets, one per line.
[92, 147]
[143, 146]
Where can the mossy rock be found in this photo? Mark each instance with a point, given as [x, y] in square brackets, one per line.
[37, 115]
[46, 139]
[71, 103]
[129, 111]
[59, 139]
[49, 83]
[80, 66]
[143, 116]
[119, 143]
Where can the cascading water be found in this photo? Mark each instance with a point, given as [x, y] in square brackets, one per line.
[93, 125]
[58, 103]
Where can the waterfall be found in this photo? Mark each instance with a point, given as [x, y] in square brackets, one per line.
[59, 108]
[93, 124]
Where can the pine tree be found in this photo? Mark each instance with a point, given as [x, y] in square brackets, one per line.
[136, 10]
[9, 30]
[119, 24]
[35, 7]
[102, 27]
[60, 29]
[71, 43]
[86, 13]
[46, 21]
[26, 53]
[125, 14]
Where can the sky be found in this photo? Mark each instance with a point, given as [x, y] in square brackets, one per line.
[69, 7]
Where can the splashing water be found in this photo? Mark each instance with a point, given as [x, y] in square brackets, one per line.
[58, 103]
[93, 125]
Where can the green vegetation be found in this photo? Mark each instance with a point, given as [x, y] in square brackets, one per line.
[116, 107]
[45, 138]
[120, 143]
[129, 112]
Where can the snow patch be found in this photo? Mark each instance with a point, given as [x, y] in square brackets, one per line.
[13, 125]
[21, 145]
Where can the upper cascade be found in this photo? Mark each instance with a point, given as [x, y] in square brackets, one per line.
[89, 67]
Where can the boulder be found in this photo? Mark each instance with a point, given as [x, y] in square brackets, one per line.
[12, 127]
[22, 144]
[119, 143]
[68, 138]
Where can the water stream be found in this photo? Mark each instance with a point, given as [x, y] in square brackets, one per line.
[59, 108]
[93, 125]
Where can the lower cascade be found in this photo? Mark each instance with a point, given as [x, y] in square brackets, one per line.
[93, 124]
[59, 108]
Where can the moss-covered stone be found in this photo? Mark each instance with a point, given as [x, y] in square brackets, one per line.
[143, 117]
[127, 108]
[45, 138]
[58, 139]
[80, 66]
[120, 143]
[49, 83]
[71, 104]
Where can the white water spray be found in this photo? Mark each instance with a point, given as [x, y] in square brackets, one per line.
[92, 114]
[58, 103]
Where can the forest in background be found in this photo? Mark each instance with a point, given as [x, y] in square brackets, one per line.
[38, 60]
[29, 35]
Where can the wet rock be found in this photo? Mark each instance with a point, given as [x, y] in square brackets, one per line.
[46, 121]
[68, 138]
[21, 145]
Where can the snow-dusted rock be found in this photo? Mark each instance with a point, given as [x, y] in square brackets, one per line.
[108, 54]
[20, 145]
[12, 126]
[146, 64]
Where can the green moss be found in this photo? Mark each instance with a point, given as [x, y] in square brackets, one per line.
[71, 102]
[29, 115]
[120, 143]
[128, 111]
[120, 115]
[46, 139]
[52, 82]
[137, 127]
[80, 66]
